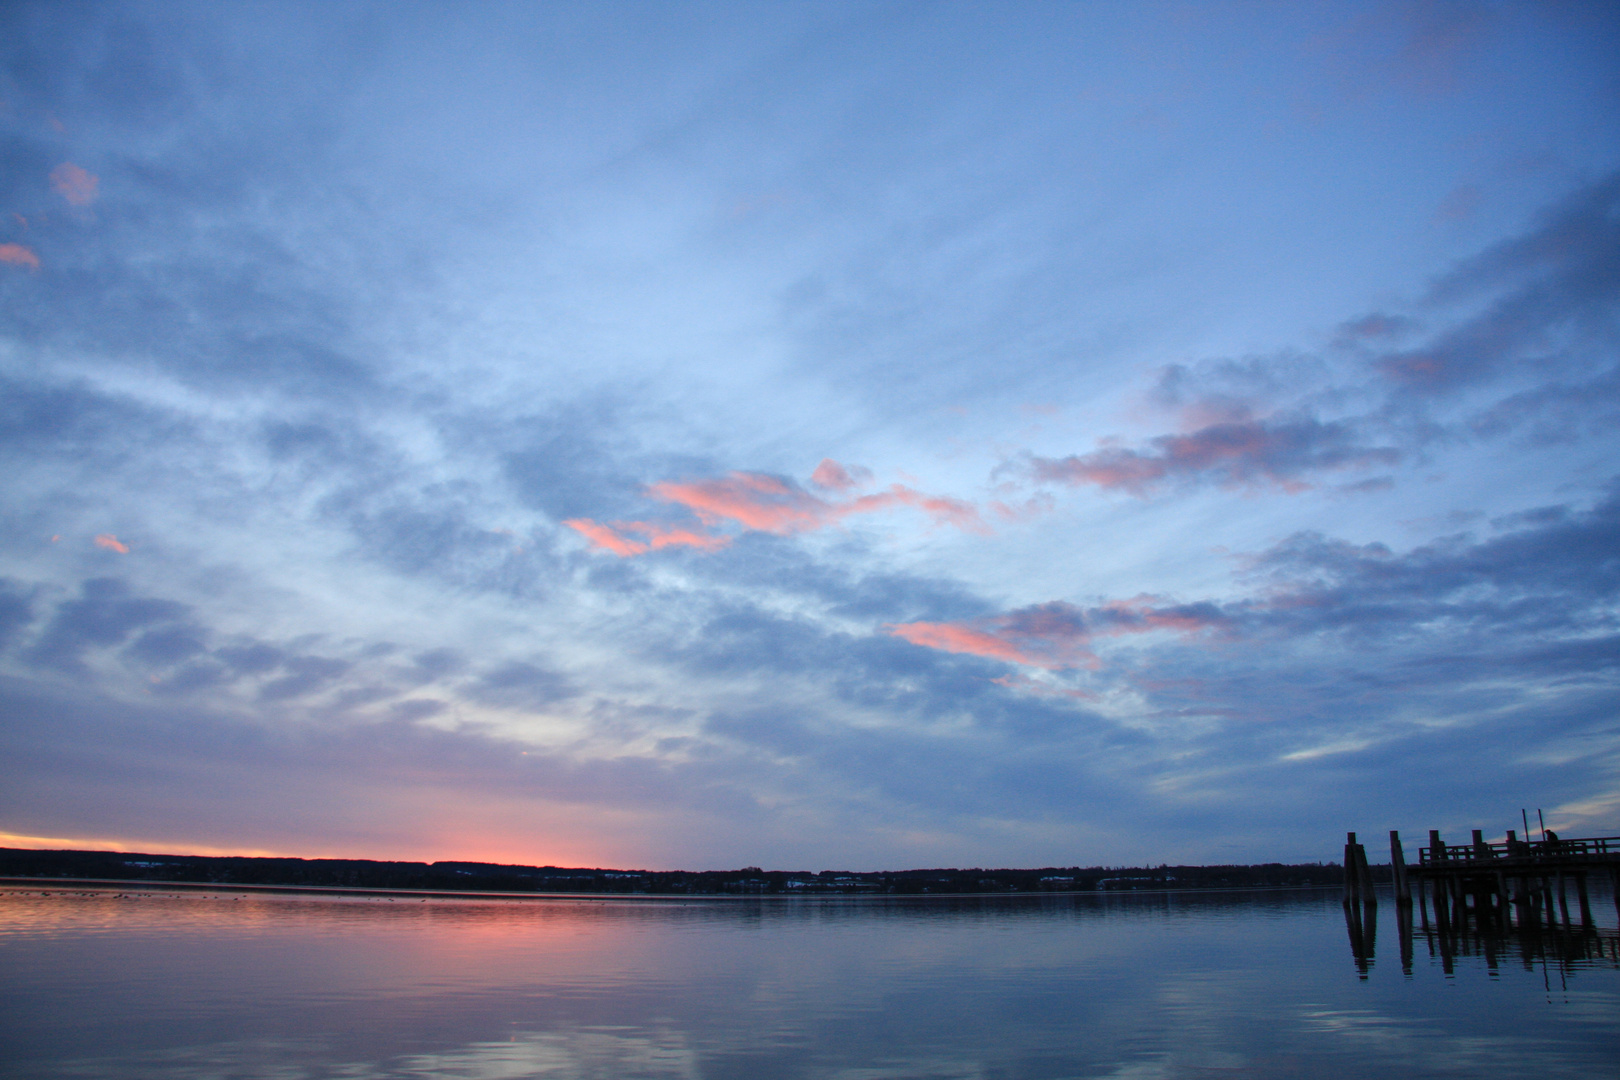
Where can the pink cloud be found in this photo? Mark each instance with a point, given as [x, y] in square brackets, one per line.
[1049, 636]
[753, 500]
[604, 537]
[76, 185]
[111, 543]
[1140, 615]
[656, 537]
[17, 255]
[943, 509]
[1030, 508]
[832, 476]
[663, 536]
[1230, 454]
[768, 504]
[1057, 635]
[958, 638]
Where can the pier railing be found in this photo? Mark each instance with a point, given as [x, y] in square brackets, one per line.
[1598, 848]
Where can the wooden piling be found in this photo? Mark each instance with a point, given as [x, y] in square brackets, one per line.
[1397, 867]
[1352, 880]
[1586, 904]
[1364, 876]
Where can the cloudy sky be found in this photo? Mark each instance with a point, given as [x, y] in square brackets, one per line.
[852, 435]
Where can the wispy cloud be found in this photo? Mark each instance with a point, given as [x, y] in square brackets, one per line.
[752, 500]
[1547, 292]
[75, 184]
[17, 255]
[772, 504]
[112, 543]
[1257, 452]
[611, 537]
[1059, 635]
[769, 504]
[832, 476]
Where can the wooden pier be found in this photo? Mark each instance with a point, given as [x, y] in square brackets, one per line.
[1480, 893]
[1516, 884]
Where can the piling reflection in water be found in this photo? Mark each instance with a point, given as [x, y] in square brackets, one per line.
[1465, 932]
[1360, 905]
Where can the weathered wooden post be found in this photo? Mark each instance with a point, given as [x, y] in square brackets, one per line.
[1364, 874]
[1352, 879]
[1397, 868]
[1586, 904]
[1442, 883]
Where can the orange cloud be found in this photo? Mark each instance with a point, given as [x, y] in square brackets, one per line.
[111, 543]
[17, 255]
[76, 185]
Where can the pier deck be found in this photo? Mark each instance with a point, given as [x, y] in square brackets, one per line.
[1521, 884]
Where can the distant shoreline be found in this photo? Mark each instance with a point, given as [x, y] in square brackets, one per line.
[108, 884]
[455, 878]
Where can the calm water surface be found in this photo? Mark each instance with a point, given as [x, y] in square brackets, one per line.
[225, 984]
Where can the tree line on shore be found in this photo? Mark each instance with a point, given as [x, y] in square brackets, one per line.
[492, 877]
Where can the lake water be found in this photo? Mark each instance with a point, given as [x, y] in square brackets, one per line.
[269, 986]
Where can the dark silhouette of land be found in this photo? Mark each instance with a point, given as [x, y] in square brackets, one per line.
[750, 880]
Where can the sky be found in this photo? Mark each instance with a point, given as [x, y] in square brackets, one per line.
[813, 436]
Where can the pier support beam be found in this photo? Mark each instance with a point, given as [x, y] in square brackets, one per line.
[1397, 868]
